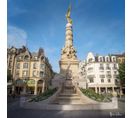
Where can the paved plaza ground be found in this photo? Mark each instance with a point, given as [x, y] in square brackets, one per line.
[14, 111]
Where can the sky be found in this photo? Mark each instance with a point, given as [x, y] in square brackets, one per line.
[98, 26]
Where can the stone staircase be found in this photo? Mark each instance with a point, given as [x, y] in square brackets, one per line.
[68, 95]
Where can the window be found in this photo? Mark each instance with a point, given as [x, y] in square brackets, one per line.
[102, 76]
[108, 72]
[25, 73]
[101, 67]
[34, 73]
[100, 59]
[109, 80]
[107, 59]
[108, 76]
[34, 65]
[115, 66]
[116, 81]
[42, 66]
[113, 59]
[25, 65]
[115, 76]
[26, 57]
[107, 67]
[90, 69]
[90, 60]
[35, 57]
[91, 80]
[115, 72]
[41, 74]
[102, 80]
[18, 65]
[19, 58]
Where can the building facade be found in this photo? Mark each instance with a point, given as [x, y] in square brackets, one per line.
[100, 73]
[31, 72]
[120, 57]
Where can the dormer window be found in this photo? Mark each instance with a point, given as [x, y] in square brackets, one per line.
[90, 60]
[100, 59]
[113, 59]
[19, 58]
[35, 57]
[26, 57]
[107, 59]
[42, 57]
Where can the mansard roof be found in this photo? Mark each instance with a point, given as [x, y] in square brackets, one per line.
[97, 57]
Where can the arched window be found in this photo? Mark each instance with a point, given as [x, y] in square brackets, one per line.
[113, 59]
[100, 59]
[26, 57]
[107, 59]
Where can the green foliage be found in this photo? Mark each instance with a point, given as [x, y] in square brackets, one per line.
[44, 95]
[96, 96]
[121, 75]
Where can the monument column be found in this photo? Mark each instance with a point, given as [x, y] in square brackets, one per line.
[69, 62]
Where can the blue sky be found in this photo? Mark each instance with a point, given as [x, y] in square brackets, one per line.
[98, 26]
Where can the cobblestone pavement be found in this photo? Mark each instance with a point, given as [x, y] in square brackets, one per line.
[14, 111]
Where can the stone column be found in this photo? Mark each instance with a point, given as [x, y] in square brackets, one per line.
[113, 89]
[99, 90]
[106, 90]
[35, 90]
[96, 89]
[43, 86]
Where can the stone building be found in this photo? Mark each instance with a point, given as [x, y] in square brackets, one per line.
[31, 72]
[100, 73]
[120, 57]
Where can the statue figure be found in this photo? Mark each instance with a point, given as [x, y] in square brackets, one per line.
[69, 20]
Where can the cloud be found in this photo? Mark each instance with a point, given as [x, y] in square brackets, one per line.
[16, 36]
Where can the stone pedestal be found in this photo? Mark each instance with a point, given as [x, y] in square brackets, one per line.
[71, 71]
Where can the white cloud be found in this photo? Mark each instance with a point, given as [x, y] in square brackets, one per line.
[16, 36]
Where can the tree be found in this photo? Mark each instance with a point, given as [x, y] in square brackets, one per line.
[121, 75]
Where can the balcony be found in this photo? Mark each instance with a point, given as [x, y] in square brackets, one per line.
[101, 68]
[115, 75]
[108, 76]
[108, 68]
[115, 68]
